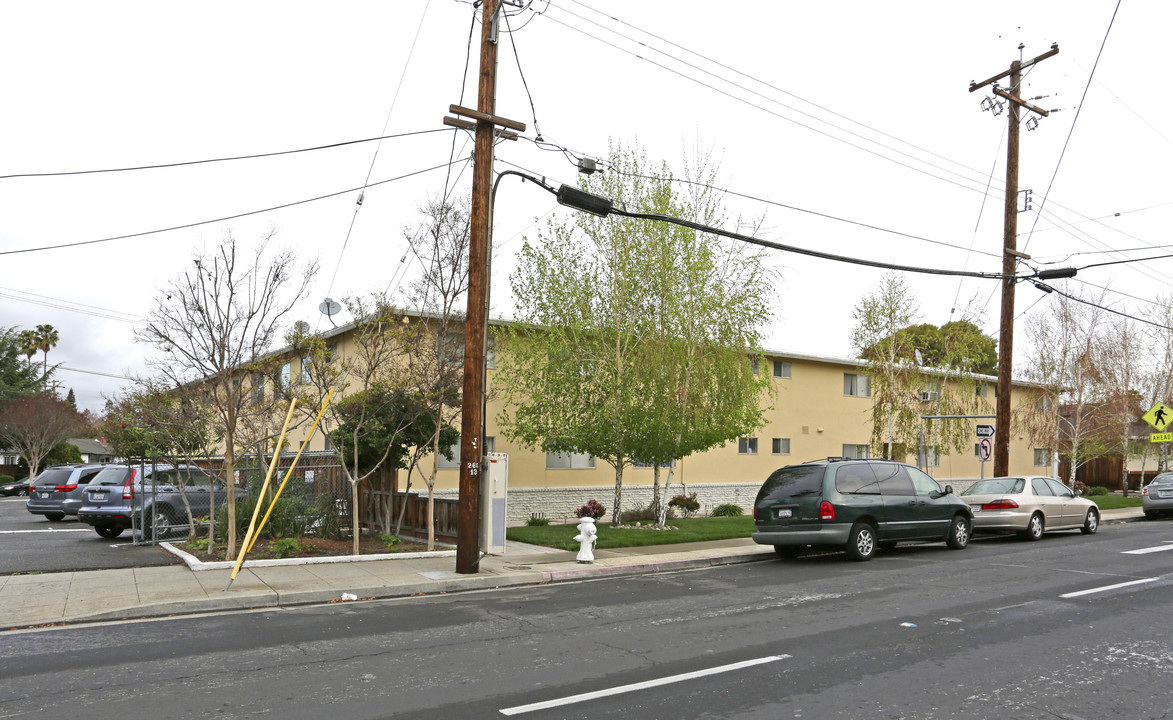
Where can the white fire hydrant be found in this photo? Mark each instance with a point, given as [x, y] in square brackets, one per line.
[586, 537]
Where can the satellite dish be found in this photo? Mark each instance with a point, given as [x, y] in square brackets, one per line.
[301, 327]
[919, 358]
[329, 308]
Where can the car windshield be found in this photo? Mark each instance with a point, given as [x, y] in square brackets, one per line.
[793, 480]
[996, 486]
[53, 477]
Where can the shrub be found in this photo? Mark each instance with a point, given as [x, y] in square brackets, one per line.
[728, 510]
[285, 547]
[1095, 490]
[639, 513]
[686, 504]
[592, 509]
[535, 521]
[391, 541]
[4, 479]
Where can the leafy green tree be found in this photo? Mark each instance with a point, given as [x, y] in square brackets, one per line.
[917, 369]
[47, 338]
[634, 340]
[16, 378]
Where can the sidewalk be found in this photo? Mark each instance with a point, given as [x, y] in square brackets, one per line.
[103, 595]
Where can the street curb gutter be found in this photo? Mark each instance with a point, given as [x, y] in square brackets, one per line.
[257, 600]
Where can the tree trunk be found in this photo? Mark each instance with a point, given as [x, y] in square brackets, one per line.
[662, 518]
[354, 529]
[617, 508]
[230, 471]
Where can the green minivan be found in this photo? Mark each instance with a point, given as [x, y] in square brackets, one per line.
[858, 505]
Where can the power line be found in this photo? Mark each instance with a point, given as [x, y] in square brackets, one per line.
[221, 219]
[95, 372]
[222, 159]
[70, 306]
[1071, 130]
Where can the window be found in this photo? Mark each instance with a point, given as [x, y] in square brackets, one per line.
[327, 444]
[856, 385]
[780, 446]
[452, 349]
[781, 369]
[856, 452]
[1059, 489]
[258, 386]
[305, 369]
[1039, 485]
[1042, 457]
[755, 363]
[747, 446]
[924, 484]
[444, 463]
[856, 479]
[570, 461]
[981, 390]
[928, 457]
[642, 464]
[895, 480]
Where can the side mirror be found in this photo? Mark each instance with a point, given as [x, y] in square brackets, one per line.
[948, 489]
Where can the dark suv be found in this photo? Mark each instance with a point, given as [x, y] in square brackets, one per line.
[57, 491]
[859, 505]
[153, 499]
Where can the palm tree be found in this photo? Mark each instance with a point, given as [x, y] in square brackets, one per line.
[46, 339]
[28, 344]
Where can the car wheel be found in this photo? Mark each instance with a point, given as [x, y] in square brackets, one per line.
[1092, 523]
[959, 533]
[108, 531]
[787, 552]
[1150, 515]
[861, 543]
[55, 517]
[1034, 528]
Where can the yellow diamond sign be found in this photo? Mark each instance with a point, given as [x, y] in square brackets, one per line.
[1159, 416]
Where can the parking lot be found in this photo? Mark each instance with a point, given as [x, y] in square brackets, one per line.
[30, 543]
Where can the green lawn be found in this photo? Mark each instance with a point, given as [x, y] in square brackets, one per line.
[689, 530]
[1111, 502]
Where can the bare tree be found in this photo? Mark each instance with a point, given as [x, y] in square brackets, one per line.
[32, 424]
[1064, 343]
[375, 422]
[1120, 358]
[215, 322]
[441, 246]
[1158, 376]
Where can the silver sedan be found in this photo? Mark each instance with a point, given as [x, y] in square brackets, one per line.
[1029, 506]
[1157, 496]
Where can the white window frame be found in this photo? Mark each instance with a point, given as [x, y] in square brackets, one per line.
[780, 446]
[855, 451]
[783, 369]
[1048, 457]
[747, 446]
[854, 382]
[570, 461]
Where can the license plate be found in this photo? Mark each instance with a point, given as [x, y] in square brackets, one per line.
[784, 513]
[98, 497]
[976, 508]
[44, 495]
[1165, 493]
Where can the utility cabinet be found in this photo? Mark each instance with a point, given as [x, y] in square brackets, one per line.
[493, 496]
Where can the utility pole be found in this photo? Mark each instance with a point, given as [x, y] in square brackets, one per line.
[1010, 254]
[472, 408]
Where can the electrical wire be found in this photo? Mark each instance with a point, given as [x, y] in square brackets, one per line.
[70, 306]
[1101, 307]
[618, 210]
[95, 372]
[795, 208]
[221, 219]
[1071, 130]
[533, 110]
[253, 156]
[375, 155]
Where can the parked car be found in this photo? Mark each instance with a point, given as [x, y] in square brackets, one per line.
[1157, 496]
[16, 487]
[858, 505]
[149, 498]
[1029, 506]
[57, 491]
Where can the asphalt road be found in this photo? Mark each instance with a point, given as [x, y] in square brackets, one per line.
[1070, 627]
[30, 543]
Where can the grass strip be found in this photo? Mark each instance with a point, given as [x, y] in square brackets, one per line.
[688, 530]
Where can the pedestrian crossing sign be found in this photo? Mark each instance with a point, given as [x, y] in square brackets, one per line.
[1159, 416]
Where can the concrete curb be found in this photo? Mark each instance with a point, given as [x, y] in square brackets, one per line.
[196, 565]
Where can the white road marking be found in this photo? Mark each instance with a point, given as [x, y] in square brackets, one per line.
[1108, 587]
[1146, 551]
[44, 530]
[639, 686]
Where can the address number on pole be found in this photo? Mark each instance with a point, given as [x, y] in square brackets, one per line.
[985, 431]
[985, 449]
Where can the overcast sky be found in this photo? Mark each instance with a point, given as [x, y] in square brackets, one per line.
[817, 113]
